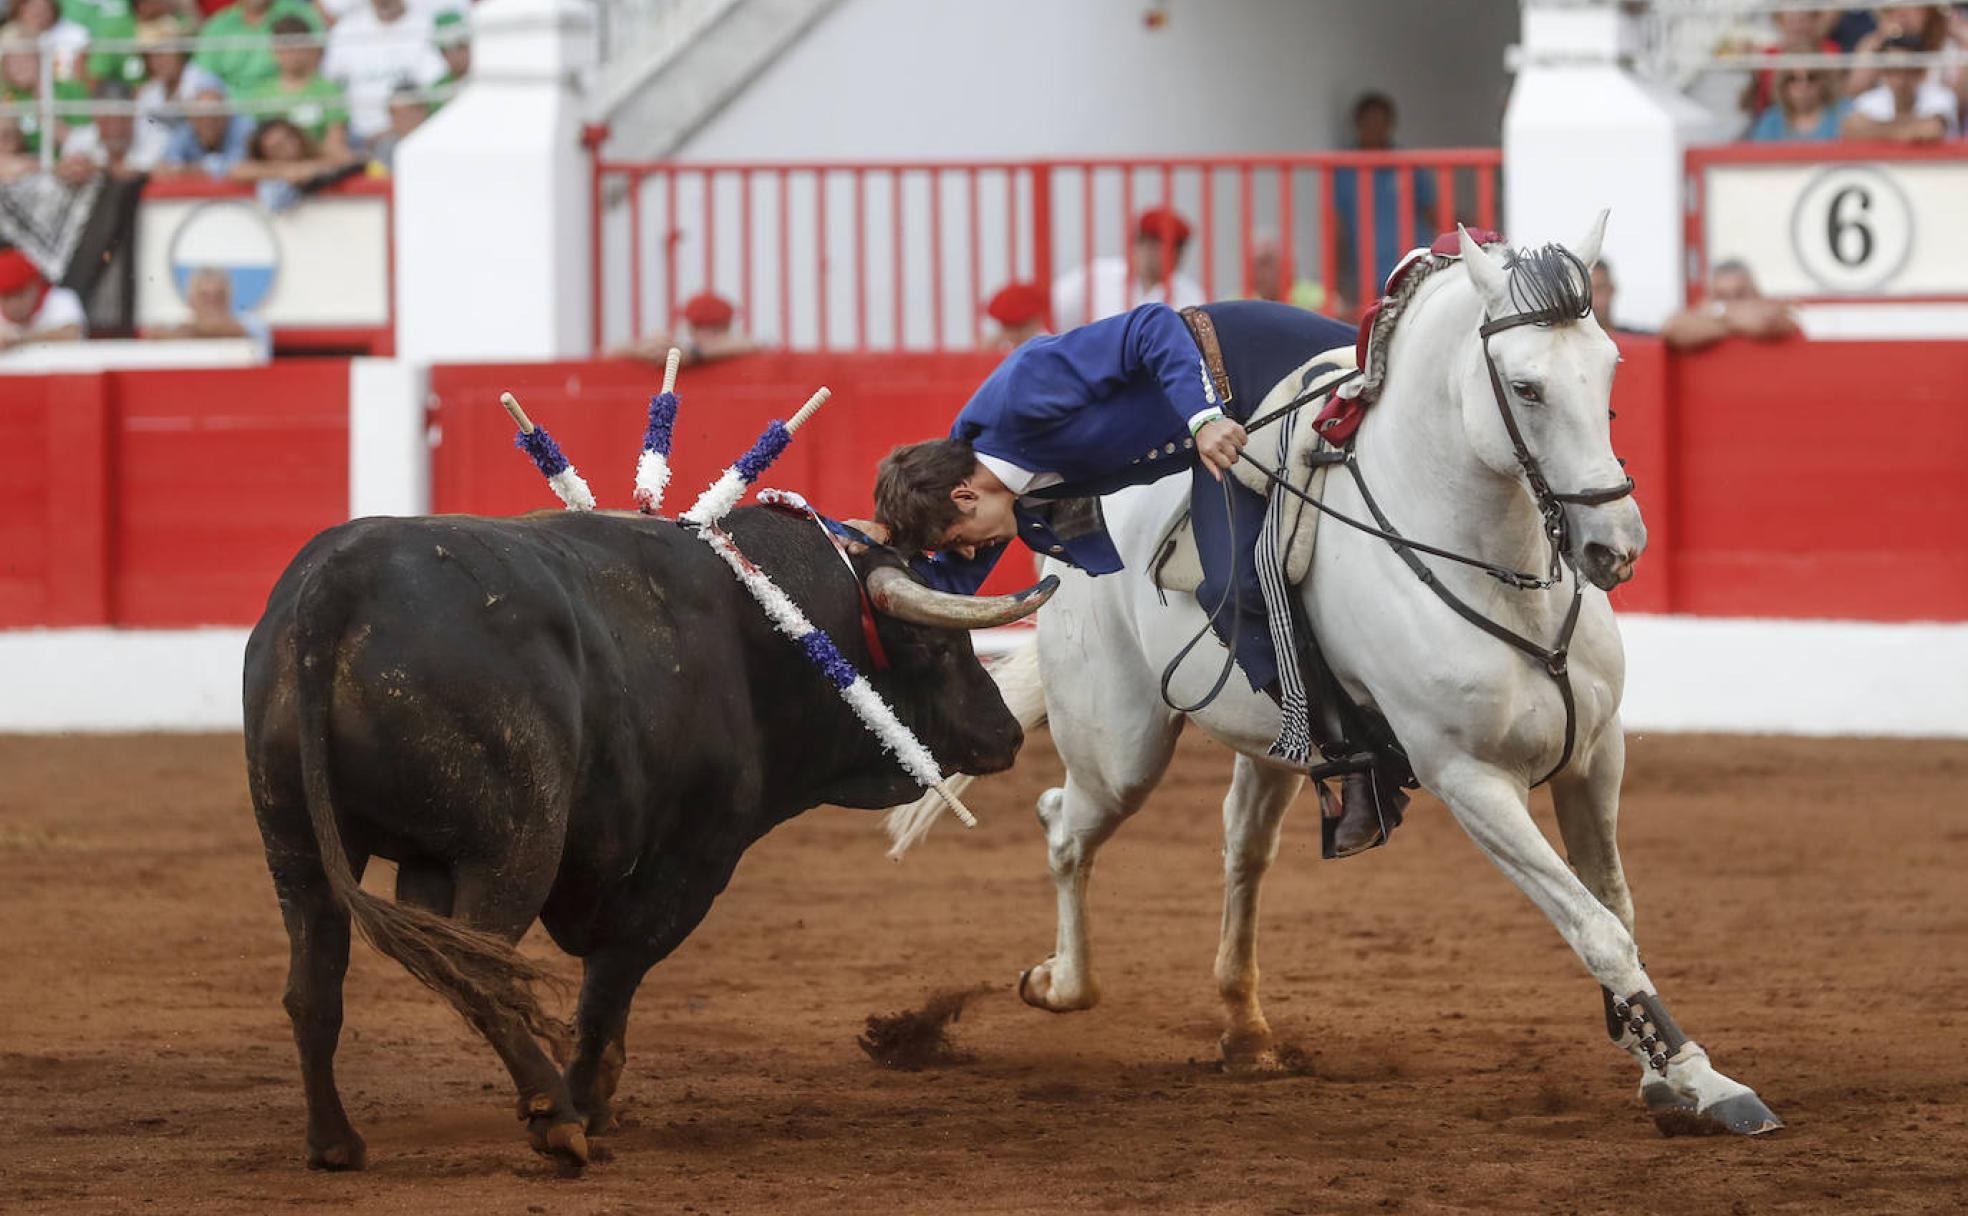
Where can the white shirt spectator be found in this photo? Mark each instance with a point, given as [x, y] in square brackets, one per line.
[146, 145]
[59, 308]
[335, 10]
[153, 124]
[370, 58]
[1931, 101]
[1111, 296]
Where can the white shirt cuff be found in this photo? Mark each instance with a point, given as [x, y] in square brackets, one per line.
[1202, 418]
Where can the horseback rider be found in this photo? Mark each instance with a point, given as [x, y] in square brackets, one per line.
[1120, 402]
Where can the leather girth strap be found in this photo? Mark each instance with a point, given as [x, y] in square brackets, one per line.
[1203, 330]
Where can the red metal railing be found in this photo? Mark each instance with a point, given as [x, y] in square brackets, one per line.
[902, 255]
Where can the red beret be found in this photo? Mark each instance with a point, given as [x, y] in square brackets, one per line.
[16, 271]
[1162, 224]
[707, 310]
[1017, 304]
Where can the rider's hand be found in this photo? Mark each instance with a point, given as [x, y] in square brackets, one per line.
[868, 528]
[1219, 443]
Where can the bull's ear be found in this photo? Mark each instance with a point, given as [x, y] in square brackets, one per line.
[896, 594]
[1490, 278]
[1587, 250]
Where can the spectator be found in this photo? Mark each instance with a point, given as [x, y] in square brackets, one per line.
[41, 22]
[1148, 274]
[1799, 32]
[1734, 308]
[1904, 107]
[114, 144]
[1019, 309]
[372, 52]
[1915, 27]
[1604, 290]
[15, 159]
[1272, 279]
[299, 93]
[208, 293]
[173, 78]
[1373, 131]
[103, 21]
[710, 333]
[20, 82]
[211, 141]
[31, 310]
[1806, 108]
[249, 23]
[454, 43]
[407, 112]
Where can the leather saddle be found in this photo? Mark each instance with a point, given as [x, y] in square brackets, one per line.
[1178, 565]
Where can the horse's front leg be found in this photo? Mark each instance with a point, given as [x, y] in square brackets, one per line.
[1688, 1093]
[1253, 810]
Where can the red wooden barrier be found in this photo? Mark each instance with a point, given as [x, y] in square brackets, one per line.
[165, 498]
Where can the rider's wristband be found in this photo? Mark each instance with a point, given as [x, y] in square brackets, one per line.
[1201, 419]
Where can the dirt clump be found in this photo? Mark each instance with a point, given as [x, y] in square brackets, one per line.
[915, 1039]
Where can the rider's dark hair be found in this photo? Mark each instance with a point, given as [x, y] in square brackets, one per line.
[912, 491]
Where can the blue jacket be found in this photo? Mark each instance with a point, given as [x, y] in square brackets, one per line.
[1107, 406]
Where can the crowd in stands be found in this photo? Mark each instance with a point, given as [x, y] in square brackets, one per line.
[1908, 103]
[286, 93]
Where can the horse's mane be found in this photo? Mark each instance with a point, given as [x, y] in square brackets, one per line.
[1549, 280]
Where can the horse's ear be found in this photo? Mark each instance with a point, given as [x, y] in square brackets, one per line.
[1484, 272]
[1587, 250]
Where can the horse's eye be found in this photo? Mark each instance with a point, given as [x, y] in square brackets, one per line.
[1527, 392]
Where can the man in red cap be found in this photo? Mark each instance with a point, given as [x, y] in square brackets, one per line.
[708, 334]
[1147, 275]
[1020, 311]
[31, 310]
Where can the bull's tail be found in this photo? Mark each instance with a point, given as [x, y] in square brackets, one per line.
[1016, 674]
[478, 973]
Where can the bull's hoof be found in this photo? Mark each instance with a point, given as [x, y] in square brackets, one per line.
[565, 1142]
[601, 1122]
[349, 1154]
[1037, 989]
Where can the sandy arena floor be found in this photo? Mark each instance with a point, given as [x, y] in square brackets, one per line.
[1801, 905]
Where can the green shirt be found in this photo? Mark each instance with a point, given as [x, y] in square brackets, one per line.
[107, 19]
[314, 107]
[244, 67]
[30, 124]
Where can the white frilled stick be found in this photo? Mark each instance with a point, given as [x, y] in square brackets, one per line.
[854, 688]
[652, 475]
[547, 457]
[724, 493]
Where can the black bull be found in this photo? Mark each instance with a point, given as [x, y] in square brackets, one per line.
[580, 718]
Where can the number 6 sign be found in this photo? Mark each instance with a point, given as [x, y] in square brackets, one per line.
[1852, 229]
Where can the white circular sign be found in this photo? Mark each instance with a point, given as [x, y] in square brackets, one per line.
[1852, 229]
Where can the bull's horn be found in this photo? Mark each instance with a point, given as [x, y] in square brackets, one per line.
[896, 594]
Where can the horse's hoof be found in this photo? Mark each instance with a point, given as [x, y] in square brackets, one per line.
[349, 1154]
[1036, 988]
[1743, 1114]
[1248, 1054]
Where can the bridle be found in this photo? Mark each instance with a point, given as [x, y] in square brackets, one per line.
[1555, 658]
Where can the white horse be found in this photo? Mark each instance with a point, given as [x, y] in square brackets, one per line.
[1481, 722]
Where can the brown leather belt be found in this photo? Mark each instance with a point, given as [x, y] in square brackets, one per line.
[1203, 330]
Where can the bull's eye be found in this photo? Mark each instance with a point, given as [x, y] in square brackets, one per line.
[1527, 392]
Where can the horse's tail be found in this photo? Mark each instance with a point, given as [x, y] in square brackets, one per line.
[1016, 674]
[479, 974]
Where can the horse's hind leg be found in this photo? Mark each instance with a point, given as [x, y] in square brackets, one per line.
[1253, 811]
[1491, 808]
[1104, 785]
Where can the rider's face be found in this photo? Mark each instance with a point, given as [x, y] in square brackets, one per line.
[985, 517]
